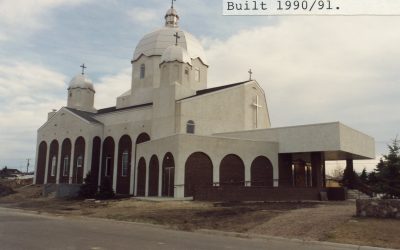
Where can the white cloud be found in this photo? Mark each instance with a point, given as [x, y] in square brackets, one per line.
[22, 17]
[28, 93]
[108, 88]
[143, 15]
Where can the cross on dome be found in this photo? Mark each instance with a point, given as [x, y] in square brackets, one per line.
[83, 68]
[177, 37]
[172, 3]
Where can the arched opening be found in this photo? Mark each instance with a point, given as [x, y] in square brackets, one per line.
[79, 157]
[198, 173]
[41, 163]
[96, 158]
[52, 167]
[262, 173]
[143, 137]
[124, 165]
[190, 127]
[107, 167]
[153, 176]
[168, 175]
[231, 171]
[65, 161]
[141, 181]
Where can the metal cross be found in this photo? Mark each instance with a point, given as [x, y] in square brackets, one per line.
[172, 3]
[250, 73]
[257, 106]
[177, 38]
[83, 68]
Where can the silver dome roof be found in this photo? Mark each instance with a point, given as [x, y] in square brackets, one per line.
[80, 81]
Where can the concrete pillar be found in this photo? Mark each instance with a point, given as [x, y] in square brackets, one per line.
[46, 172]
[36, 161]
[216, 163]
[247, 173]
[317, 165]
[58, 164]
[146, 193]
[115, 172]
[160, 175]
[87, 165]
[72, 162]
[100, 162]
[133, 173]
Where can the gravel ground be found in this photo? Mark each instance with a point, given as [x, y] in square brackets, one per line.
[308, 223]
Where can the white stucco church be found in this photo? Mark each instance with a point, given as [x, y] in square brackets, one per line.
[170, 135]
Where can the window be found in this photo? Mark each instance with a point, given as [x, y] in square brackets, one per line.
[79, 161]
[142, 71]
[197, 75]
[66, 166]
[108, 166]
[190, 126]
[125, 162]
[53, 165]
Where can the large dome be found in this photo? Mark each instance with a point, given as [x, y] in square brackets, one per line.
[81, 82]
[155, 43]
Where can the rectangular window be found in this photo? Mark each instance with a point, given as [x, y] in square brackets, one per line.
[66, 166]
[197, 75]
[108, 166]
[79, 162]
[53, 166]
[125, 162]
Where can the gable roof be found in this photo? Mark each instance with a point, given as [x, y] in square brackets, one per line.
[84, 115]
[114, 109]
[211, 90]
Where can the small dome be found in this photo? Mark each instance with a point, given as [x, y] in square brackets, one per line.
[171, 18]
[176, 53]
[81, 82]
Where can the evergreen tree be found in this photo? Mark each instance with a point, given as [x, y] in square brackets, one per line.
[106, 189]
[350, 177]
[89, 189]
[388, 172]
[364, 176]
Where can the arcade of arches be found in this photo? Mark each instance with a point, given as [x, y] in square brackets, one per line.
[157, 178]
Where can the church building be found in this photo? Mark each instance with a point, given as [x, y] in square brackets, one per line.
[171, 136]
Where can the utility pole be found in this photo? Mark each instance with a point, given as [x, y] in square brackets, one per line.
[27, 165]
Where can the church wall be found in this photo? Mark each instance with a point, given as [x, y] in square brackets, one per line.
[252, 90]
[215, 112]
[202, 84]
[182, 146]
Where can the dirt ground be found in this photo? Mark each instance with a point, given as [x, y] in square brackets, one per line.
[327, 221]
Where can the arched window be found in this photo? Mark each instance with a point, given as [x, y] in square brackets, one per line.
[190, 127]
[66, 166]
[125, 162]
[142, 71]
[79, 161]
[53, 165]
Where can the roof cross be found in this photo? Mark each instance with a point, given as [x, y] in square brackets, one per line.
[172, 3]
[83, 68]
[250, 73]
[177, 38]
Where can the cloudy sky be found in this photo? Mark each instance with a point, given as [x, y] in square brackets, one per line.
[313, 69]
